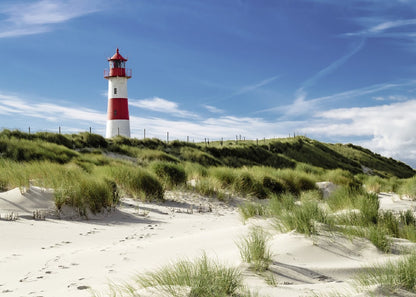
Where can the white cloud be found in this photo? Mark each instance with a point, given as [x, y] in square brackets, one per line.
[302, 106]
[389, 128]
[391, 98]
[213, 109]
[162, 105]
[37, 17]
[10, 104]
[383, 26]
[226, 127]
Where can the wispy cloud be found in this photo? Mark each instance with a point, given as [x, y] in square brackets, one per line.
[224, 126]
[15, 105]
[162, 105]
[213, 109]
[248, 88]
[382, 27]
[38, 17]
[300, 105]
[389, 129]
[391, 98]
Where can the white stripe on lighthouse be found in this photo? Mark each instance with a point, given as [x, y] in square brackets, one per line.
[117, 87]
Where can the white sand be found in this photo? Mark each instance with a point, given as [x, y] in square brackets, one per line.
[57, 257]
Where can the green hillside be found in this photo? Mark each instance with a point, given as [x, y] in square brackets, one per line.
[276, 153]
[87, 171]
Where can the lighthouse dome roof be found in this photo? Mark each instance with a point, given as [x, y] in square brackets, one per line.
[117, 56]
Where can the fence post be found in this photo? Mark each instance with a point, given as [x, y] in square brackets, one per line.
[29, 130]
[167, 137]
[59, 129]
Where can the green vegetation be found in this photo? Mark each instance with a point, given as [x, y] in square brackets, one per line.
[78, 165]
[202, 277]
[254, 249]
[392, 275]
[171, 174]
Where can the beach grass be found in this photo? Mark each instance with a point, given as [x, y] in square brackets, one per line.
[400, 274]
[170, 174]
[202, 277]
[254, 249]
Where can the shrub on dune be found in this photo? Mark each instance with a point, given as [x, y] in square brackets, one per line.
[169, 173]
[137, 182]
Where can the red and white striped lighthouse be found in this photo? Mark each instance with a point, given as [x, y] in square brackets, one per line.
[118, 122]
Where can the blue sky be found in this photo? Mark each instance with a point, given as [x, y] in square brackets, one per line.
[336, 71]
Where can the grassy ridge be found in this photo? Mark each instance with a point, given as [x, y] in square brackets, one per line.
[76, 165]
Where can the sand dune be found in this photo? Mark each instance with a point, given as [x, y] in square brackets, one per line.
[56, 257]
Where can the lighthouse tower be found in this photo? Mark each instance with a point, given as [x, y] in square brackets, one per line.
[118, 122]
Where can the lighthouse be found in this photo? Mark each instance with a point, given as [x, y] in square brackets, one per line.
[118, 122]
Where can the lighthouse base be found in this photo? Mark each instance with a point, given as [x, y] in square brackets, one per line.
[117, 128]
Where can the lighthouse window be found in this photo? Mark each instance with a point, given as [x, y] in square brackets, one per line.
[115, 91]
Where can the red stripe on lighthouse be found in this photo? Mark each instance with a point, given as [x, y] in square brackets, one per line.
[118, 109]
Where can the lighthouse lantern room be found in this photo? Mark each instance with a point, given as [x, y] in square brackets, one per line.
[118, 122]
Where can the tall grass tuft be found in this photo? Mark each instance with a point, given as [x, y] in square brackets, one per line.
[86, 193]
[252, 209]
[170, 174]
[379, 236]
[137, 182]
[195, 170]
[303, 218]
[202, 278]
[225, 175]
[392, 275]
[209, 186]
[408, 188]
[246, 184]
[254, 249]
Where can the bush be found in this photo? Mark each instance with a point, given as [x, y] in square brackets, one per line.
[198, 156]
[170, 174]
[273, 185]
[195, 170]
[31, 150]
[225, 175]
[137, 182]
[296, 181]
[210, 187]
[155, 155]
[245, 184]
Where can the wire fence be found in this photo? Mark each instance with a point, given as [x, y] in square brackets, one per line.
[167, 138]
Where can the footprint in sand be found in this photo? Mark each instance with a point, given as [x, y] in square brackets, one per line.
[58, 244]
